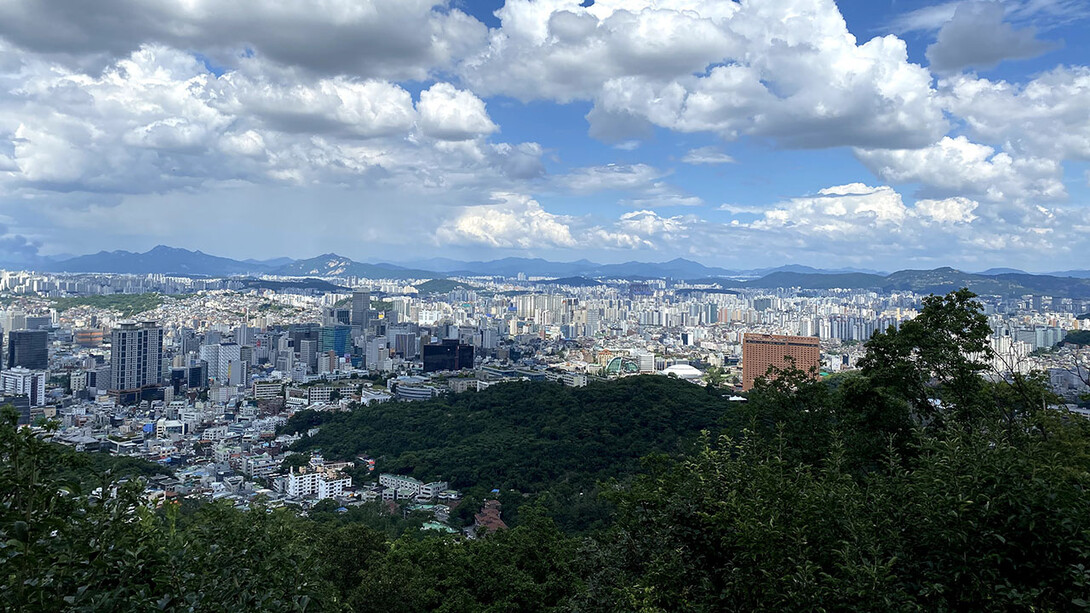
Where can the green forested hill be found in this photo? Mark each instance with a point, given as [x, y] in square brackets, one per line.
[528, 437]
[521, 435]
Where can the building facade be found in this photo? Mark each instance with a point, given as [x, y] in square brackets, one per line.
[761, 351]
[136, 356]
[28, 349]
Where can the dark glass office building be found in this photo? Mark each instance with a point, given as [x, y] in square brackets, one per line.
[449, 355]
[28, 348]
[337, 339]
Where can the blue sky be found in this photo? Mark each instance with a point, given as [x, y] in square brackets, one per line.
[870, 134]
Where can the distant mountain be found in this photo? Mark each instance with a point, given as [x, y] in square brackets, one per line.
[538, 267]
[1078, 274]
[760, 272]
[937, 281]
[270, 263]
[441, 286]
[678, 268]
[1001, 271]
[571, 282]
[850, 280]
[161, 259]
[333, 265]
[531, 267]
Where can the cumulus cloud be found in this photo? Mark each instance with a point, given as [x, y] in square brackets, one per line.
[840, 211]
[515, 220]
[977, 36]
[950, 210]
[707, 155]
[958, 166]
[160, 120]
[448, 113]
[642, 230]
[863, 223]
[407, 39]
[784, 69]
[1044, 117]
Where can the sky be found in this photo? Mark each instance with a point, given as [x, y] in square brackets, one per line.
[872, 133]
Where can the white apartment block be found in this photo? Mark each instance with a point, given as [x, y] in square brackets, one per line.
[399, 487]
[268, 390]
[319, 484]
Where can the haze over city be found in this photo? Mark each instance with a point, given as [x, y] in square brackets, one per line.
[876, 135]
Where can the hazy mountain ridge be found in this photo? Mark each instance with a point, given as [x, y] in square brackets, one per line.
[160, 259]
[936, 281]
[171, 260]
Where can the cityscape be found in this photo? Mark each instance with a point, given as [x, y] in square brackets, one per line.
[201, 373]
[609, 306]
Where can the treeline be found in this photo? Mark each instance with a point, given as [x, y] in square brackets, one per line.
[913, 484]
[126, 304]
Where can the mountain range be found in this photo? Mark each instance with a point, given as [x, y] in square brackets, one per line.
[937, 281]
[172, 260]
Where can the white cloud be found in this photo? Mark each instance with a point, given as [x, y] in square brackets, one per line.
[950, 210]
[515, 221]
[641, 181]
[593, 179]
[707, 155]
[784, 69]
[448, 113]
[956, 166]
[1047, 12]
[1044, 117]
[661, 194]
[159, 120]
[843, 211]
[976, 36]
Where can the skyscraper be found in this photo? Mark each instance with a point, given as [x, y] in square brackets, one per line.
[28, 349]
[336, 339]
[361, 310]
[136, 351]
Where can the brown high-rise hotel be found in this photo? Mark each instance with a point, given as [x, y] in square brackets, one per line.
[759, 351]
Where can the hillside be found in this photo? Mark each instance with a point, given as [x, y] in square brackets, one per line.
[161, 259]
[530, 437]
[936, 281]
[333, 265]
[126, 304]
[441, 286]
[816, 280]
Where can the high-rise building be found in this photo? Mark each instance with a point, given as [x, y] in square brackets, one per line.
[219, 358]
[337, 339]
[308, 354]
[760, 351]
[361, 310]
[28, 349]
[24, 382]
[136, 351]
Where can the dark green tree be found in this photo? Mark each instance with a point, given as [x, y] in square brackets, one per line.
[938, 355]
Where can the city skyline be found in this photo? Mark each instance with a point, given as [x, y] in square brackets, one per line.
[752, 135]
